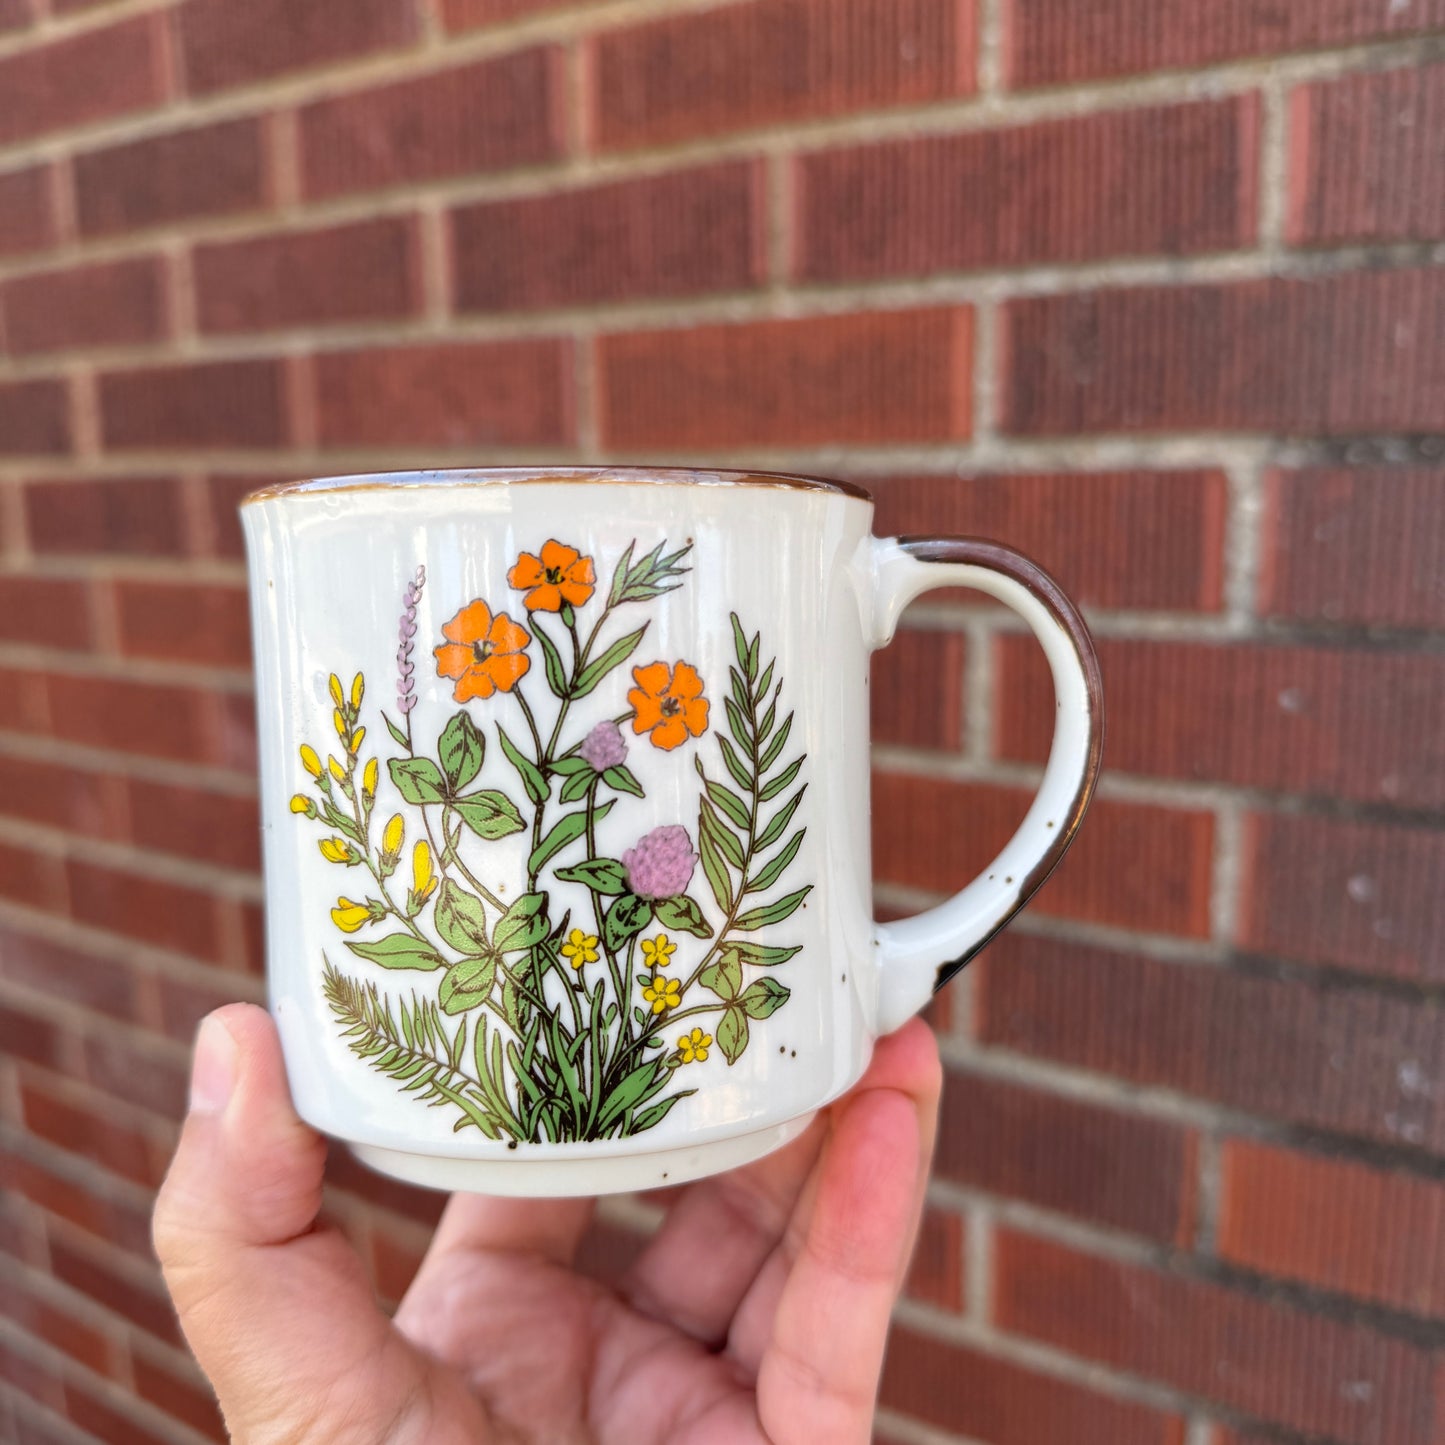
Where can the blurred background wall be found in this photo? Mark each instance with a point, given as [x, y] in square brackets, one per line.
[1149, 288]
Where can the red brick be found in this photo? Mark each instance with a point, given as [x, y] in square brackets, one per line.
[344, 1172]
[99, 1136]
[935, 1274]
[739, 66]
[875, 377]
[212, 404]
[107, 1419]
[677, 234]
[151, 719]
[1354, 352]
[30, 877]
[187, 1399]
[67, 973]
[38, 1382]
[168, 915]
[1061, 40]
[1122, 1170]
[499, 393]
[1344, 722]
[36, 1429]
[212, 170]
[394, 1262]
[363, 271]
[110, 303]
[56, 1325]
[46, 1185]
[468, 14]
[1314, 1374]
[1172, 179]
[133, 1292]
[916, 689]
[83, 78]
[1134, 865]
[1355, 546]
[45, 612]
[990, 1399]
[225, 44]
[1360, 896]
[138, 516]
[24, 1035]
[184, 622]
[211, 827]
[1335, 1224]
[1364, 164]
[223, 497]
[185, 1004]
[1350, 1060]
[14, 14]
[137, 1075]
[1133, 540]
[34, 417]
[488, 116]
[27, 215]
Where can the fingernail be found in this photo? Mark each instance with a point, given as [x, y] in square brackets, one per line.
[213, 1071]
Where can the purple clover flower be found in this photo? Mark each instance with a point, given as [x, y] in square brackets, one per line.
[661, 864]
[405, 688]
[604, 747]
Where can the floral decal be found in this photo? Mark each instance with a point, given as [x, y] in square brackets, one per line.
[543, 998]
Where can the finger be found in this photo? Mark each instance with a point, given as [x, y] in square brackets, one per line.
[717, 1237]
[905, 1065]
[278, 1312]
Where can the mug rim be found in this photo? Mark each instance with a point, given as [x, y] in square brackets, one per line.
[625, 475]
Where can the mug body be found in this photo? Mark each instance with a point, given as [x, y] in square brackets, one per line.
[565, 803]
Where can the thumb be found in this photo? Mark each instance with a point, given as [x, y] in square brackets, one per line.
[278, 1311]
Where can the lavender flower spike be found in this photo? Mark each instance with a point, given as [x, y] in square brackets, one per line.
[661, 864]
[405, 690]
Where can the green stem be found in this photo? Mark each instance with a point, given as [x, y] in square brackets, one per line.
[456, 857]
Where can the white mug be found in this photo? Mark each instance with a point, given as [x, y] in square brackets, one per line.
[565, 793]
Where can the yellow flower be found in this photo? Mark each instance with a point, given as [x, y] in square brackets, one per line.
[337, 771]
[349, 916]
[338, 850]
[337, 696]
[391, 836]
[657, 952]
[358, 686]
[662, 993]
[300, 803]
[423, 880]
[310, 761]
[338, 722]
[694, 1046]
[580, 948]
[368, 778]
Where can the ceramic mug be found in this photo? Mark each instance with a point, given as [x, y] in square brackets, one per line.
[565, 791]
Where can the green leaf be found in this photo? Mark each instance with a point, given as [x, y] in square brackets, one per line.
[766, 680]
[732, 1034]
[656, 1113]
[751, 667]
[460, 919]
[738, 724]
[722, 835]
[599, 667]
[714, 870]
[740, 641]
[774, 830]
[730, 803]
[771, 913]
[489, 814]
[774, 748]
[602, 875]
[774, 870]
[523, 925]
[682, 914]
[398, 736]
[536, 785]
[418, 780]
[621, 778]
[467, 985]
[556, 673]
[782, 780]
[399, 950]
[512, 1004]
[565, 830]
[739, 688]
[632, 1090]
[460, 749]
[741, 776]
[724, 978]
[760, 955]
[625, 919]
[620, 575]
[576, 786]
[570, 764]
[766, 725]
[763, 997]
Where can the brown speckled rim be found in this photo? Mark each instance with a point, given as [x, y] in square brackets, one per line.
[521, 476]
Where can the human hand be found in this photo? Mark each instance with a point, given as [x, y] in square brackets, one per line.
[757, 1315]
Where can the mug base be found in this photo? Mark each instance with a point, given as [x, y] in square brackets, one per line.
[579, 1175]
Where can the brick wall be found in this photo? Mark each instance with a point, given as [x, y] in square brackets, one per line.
[1151, 288]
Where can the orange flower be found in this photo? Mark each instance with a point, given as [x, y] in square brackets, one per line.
[668, 703]
[561, 574]
[482, 653]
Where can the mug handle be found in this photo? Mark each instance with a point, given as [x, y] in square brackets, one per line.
[918, 955]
